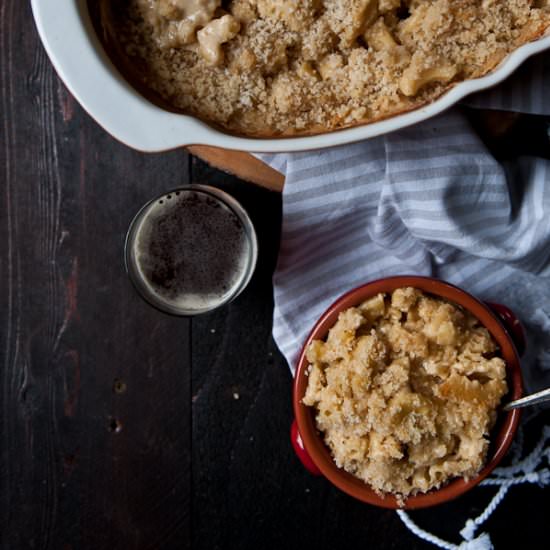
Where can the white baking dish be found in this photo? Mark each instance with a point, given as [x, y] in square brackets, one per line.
[70, 40]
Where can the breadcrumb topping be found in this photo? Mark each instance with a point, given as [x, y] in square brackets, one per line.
[286, 67]
[405, 389]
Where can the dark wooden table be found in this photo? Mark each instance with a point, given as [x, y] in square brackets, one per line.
[120, 427]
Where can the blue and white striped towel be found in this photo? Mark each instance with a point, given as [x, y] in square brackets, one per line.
[427, 200]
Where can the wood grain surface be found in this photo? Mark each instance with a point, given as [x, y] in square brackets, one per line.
[96, 385]
[122, 427]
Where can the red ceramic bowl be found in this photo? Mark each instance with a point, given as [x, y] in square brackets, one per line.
[499, 321]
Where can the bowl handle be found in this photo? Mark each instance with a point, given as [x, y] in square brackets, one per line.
[301, 452]
[511, 324]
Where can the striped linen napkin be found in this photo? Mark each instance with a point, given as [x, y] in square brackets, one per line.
[428, 200]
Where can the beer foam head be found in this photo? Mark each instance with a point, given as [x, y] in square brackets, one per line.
[191, 250]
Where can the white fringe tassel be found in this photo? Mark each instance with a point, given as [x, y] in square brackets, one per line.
[530, 469]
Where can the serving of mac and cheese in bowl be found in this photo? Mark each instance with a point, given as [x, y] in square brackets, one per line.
[398, 389]
[284, 75]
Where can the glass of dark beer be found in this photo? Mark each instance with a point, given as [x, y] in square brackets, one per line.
[191, 250]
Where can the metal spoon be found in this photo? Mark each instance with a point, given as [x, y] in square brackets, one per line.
[538, 397]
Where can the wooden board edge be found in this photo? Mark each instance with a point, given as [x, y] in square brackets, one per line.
[240, 164]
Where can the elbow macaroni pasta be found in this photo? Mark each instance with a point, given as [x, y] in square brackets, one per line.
[280, 67]
[405, 390]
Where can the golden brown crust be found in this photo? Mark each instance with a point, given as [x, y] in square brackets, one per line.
[405, 389]
[307, 68]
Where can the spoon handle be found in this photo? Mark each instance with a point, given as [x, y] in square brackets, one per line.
[533, 399]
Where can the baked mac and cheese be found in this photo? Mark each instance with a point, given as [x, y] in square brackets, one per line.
[281, 67]
[405, 390]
